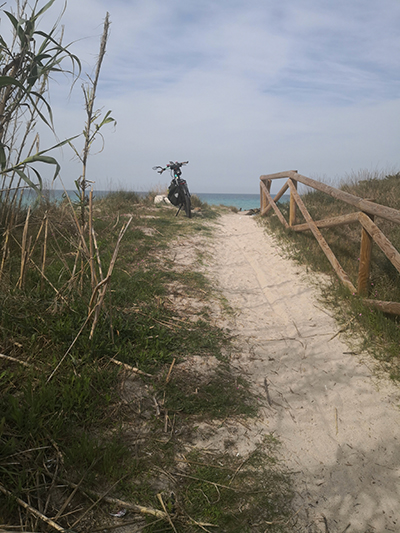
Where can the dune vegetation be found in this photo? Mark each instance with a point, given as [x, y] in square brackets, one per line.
[367, 326]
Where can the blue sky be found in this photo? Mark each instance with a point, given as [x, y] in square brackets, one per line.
[237, 87]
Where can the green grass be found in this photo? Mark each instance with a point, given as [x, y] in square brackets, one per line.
[378, 333]
[238, 494]
[366, 328]
[64, 417]
[188, 393]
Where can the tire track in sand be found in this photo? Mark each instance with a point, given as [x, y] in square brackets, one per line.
[338, 424]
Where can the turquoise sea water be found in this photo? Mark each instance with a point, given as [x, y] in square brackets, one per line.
[241, 201]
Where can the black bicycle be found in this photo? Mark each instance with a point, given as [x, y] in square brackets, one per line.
[178, 191]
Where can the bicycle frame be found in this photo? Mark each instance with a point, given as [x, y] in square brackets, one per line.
[183, 192]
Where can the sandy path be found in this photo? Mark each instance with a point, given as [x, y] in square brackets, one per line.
[339, 425]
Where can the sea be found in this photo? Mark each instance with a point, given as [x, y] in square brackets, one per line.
[242, 202]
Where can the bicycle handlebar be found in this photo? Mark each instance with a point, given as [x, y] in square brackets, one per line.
[171, 165]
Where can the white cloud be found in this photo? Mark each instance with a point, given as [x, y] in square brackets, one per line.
[238, 88]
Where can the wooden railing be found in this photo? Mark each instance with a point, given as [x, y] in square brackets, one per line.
[365, 215]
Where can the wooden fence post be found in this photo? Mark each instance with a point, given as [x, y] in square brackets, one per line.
[263, 199]
[344, 278]
[292, 212]
[264, 184]
[365, 261]
[272, 204]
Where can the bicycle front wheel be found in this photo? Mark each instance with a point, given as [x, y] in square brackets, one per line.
[187, 205]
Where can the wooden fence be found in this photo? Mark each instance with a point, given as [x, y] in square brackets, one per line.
[367, 211]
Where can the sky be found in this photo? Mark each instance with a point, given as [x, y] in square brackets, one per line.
[239, 88]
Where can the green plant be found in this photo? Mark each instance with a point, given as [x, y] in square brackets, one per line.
[217, 396]
[238, 495]
[26, 63]
[94, 123]
[117, 200]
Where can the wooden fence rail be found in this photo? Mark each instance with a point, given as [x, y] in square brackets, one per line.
[365, 216]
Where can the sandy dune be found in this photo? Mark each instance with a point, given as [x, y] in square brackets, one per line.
[338, 423]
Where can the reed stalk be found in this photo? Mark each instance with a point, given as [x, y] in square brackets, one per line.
[102, 286]
[44, 254]
[97, 254]
[91, 254]
[24, 252]
[89, 93]
[5, 252]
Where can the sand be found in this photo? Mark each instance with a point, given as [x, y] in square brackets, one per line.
[339, 424]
